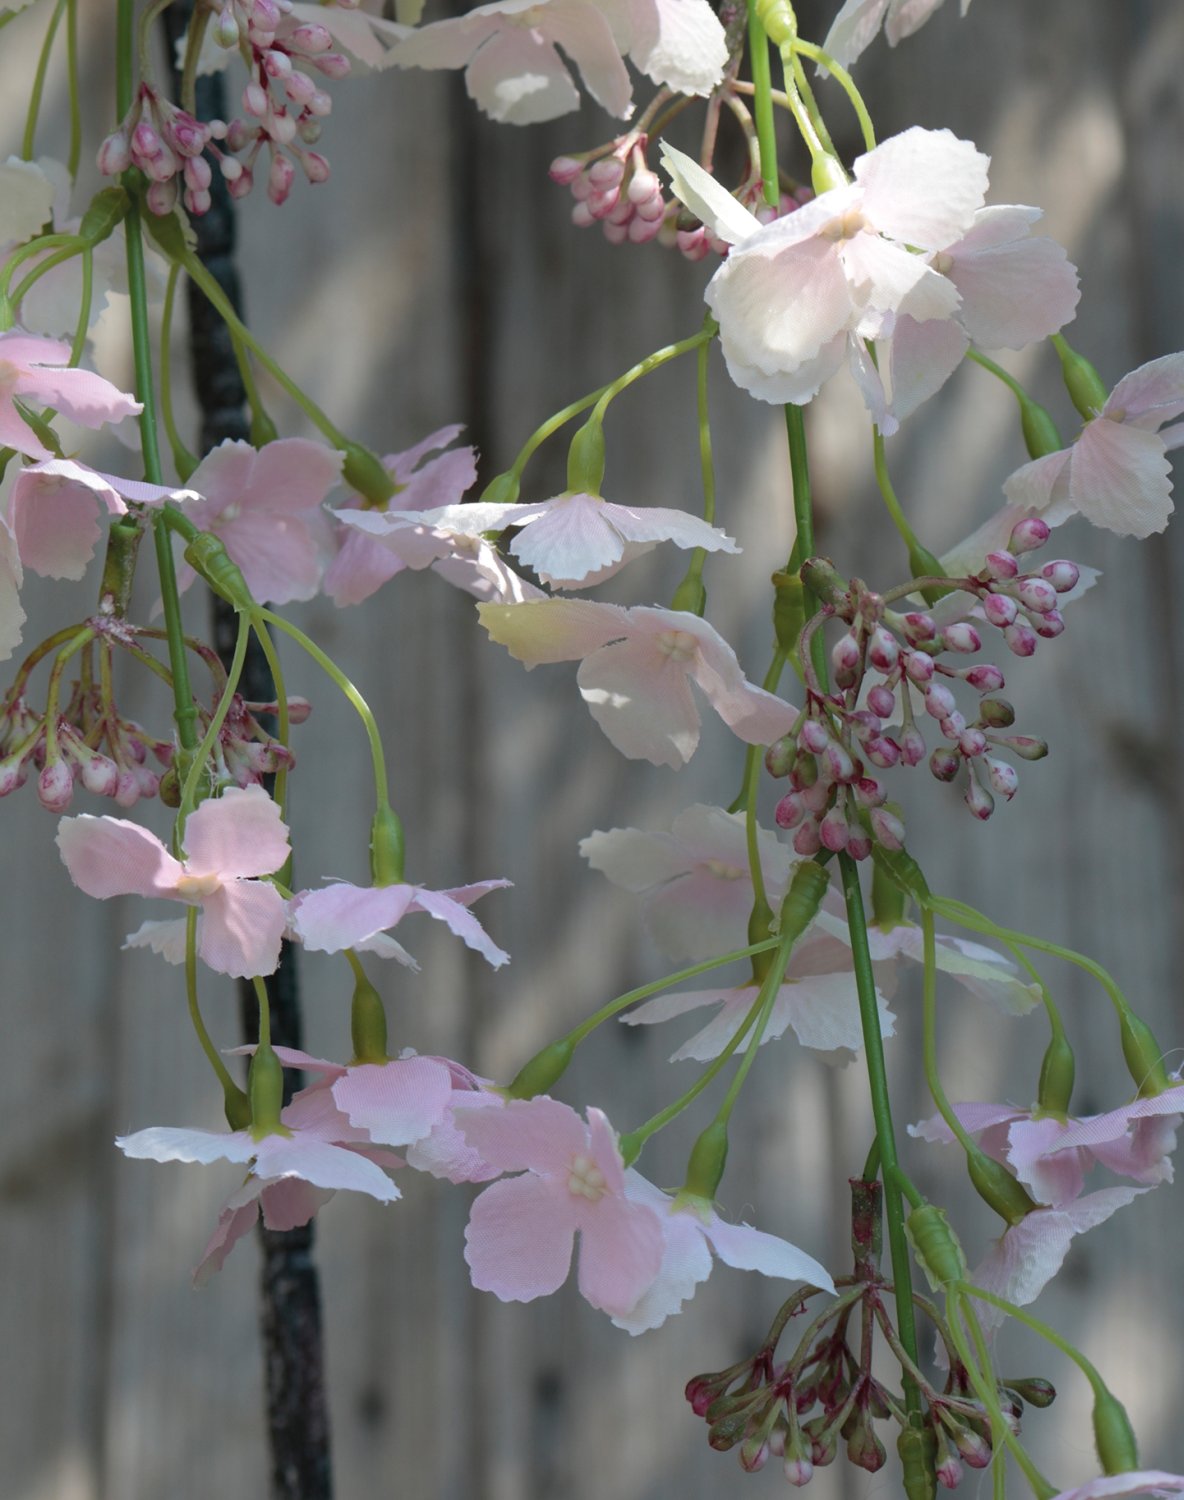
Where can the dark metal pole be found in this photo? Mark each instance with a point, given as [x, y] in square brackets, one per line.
[290, 1313]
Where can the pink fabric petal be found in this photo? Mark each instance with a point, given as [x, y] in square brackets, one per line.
[572, 537]
[824, 1013]
[445, 1152]
[679, 43]
[1144, 1153]
[887, 278]
[279, 555]
[323, 1165]
[554, 629]
[1055, 1179]
[55, 523]
[634, 860]
[854, 29]
[753, 1250]
[602, 1145]
[342, 916]
[240, 833]
[1016, 291]
[701, 915]
[659, 523]
[686, 1261]
[402, 466]
[1040, 483]
[112, 857]
[237, 1218]
[975, 1118]
[165, 1143]
[291, 1202]
[1150, 395]
[80, 395]
[1133, 1482]
[1119, 478]
[756, 716]
[442, 906]
[362, 565]
[620, 1253]
[448, 44]
[21, 350]
[519, 1239]
[396, 1103]
[640, 697]
[518, 78]
[1096, 1130]
[166, 938]
[241, 929]
[922, 187]
[538, 1135]
[584, 34]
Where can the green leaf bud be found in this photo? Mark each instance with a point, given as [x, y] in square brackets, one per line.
[998, 1188]
[544, 1069]
[210, 560]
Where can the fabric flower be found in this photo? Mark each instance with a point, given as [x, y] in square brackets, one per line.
[367, 38]
[791, 291]
[512, 68]
[344, 916]
[227, 842]
[576, 540]
[35, 371]
[856, 25]
[1117, 473]
[1118, 1486]
[636, 672]
[521, 1230]
[1137, 1134]
[26, 200]
[677, 43]
[265, 505]
[694, 882]
[691, 1231]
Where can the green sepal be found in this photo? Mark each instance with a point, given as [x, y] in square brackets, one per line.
[1113, 1435]
[917, 1450]
[265, 1090]
[585, 459]
[262, 429]
[925, 565]
[363, 471]
[544, 1069]
[803, 899]
[1082, 381]
[502, 489]
[998, 1188]
[705, 1168]
[829, 586]
[936, 1246]
[889, 901]
[789, 611]
[690, 595]
[210, 560]
[1033, 1389]
[1057, 1071]
[236, 1106]
[827, 173]
[904, 870]
[367, 1023]
[105, 212]
[387, 848]
[760, 928]
[1040, 431]
[1144, 1057]
[41, 429]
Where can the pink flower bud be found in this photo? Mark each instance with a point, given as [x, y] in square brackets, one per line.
[276, 64]
[564, 169]
[919, 627]
[241, 184]
[197, 202]
[581, 187]
[997, 713]
[14, 770]
[912, 746]
[859, 845]
[944, 763]
[806, 841]
[868, 791]
[814, 736]
[615, 234]
[814, 798]
[919, 667]
[55, 787]
[1049, 625]
[225, 29]
[316, 166]
[642, 230]
[280, 178]
[882, 750]
[961, 637]
[882, 650]
[100, 775]
[799, 1470]
[601, 204]
[581, 216]
[975, 1450]
[1037, 594]
[643, 186]
[1062, 574]
[939, 701]
[197, 173]
[281, 127]
[115, 154]
[309, 130]
[1001, 566]
[240, 133]
[332, 64]
[1029, 535]
[833, 831]
[839, 765]
[952, 725]
[622, 213]
[790, 811]
[985, 678]
[299, 88]
[653, 210]
[1023, 745]
[844, 654]
[1020, 638]
[606, 173]
[887, 828]
[753, 1456]
[310, 39]
[881, 700]
[255, 99]
[982, 805]
[187, 136]
[1000, 609]
[949, 1472]
[692, 243]
[146, 145]
[972, 742]
[1003, 778]
[161, 197]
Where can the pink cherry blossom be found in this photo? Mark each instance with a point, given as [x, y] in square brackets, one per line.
[265, 505]
[678, 43]
[576, 540]
[1117, 473]
[694, 882]
[691, 1231]
[512, 68]
[55, 507]
[1041, 1151]
[374, 543]
[1132, 1482]
[856, 25]
[34, 371]
[367, 38]
[344, 916]
[790, 292]
[228, 841]
[636, 672]
[521, 1230]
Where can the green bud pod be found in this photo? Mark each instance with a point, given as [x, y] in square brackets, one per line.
[105, 212]
[690, 594]
[1113, 1435]
[265, 1090]
[780, 755]
[263, 430]
[1057, 1072]
[364, 472]
[803, 899]
[1040, 431]
[210, 560]
[386, 847]
[998, 1188]
[829, 586]
[902, 868]
[1082, 381]
[936, 1246]
[585, 459]
[543, 1069]
[502, 489]
[1144, 1057]
[169, 790]
[1033, 1389]
[236, 1107]
[996, 713]
[777, 17]
[826, 173]
[917, 1449]
[709, 1156]
[889, 902]
[789, 611]
[805, 768]
[367, 1023]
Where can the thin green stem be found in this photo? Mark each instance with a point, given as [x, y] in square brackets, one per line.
[929, 1037]
[271, 656]
[703, 412]
[74, 155]
[753, 761]
[260, 421]
[183, 460]
[999, 373]
[147, 22]
[1088, 1369]
[264, 1011]
[359, 703]
[229, 1087]
[762, 106]
[767, 998]
[877, 1073]
[811, 106]
[891, 502]
[194, 36]
[54, 688]
[206, 749]
[70, 245]
[27, 141]
[803, 514]
[552, 425]
[125, 55]
[653, 362]
[846, 83]
[84, 305]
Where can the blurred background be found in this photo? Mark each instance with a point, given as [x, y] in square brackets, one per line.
[436, 278]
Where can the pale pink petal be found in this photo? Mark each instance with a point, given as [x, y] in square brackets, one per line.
[658, 523]
[553, 629]
[1133, 1482]
[602, 1147]
[1096, 1130]
[445, 1152]
[112, 857]
[166, 1143]
[166, 938]
[701, 915]
[292, 475]
[442, 906]
[402, 466]
[1144, 1153]
[906, 16]
[823, 1010]
[572, 537]
[1119, 478]
[450, 43]
[1015, 291]
[679, 43]
[290, 1202]
[922, 187]
[362, 565]
[396, 1103]
[634, 860]
[519, 1238]
[620, 1252]
[854, 29]
[976, 1118]
[756, 716]
[80, 395]
[538, 1135]
[887, 278]
[222, 477]
[241, 929]
[240, 833]
[55, 523]
[20, 349]
[279, 555]
[707, 198]
[341, 916]
[686, 1261]
[237, 1218]
[518, 78]
[753, 1250]
[323, 1165]
[486, 575]
[799, 385]
[914, 364]
[584, 34]
[1039, 483]
[1051, 1179]
[1150, 395]
[640, 697]
[364, 37]
[26, 201]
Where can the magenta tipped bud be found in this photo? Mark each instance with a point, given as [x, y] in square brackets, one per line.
[1001, 566]
[564, 169]
[972, 742]
[1062, 574]
[844, 654]
[13, 773]
[953, 725]
[100, 775]
[961, 637]
[985, 679]
[1000, 609]
[979, 800]
[115, 154]
[839, 765]
[1022, 745]
[940, 703]
[1049, 625]
[1029, 535]
[919, 627]
[806, 841]
[919, 668]
[882, 650]
[753, 1455]
[887, 828]
[912, 746]
[949, 1472]
[944, 763]
[834, 832]
[859, 845]
[881, 700]
[1037, 594]
[868, 791]
[55, 787]
[1021, 639]
[975, 1450]
[1002, 777]
[882, 751]
[790, 811]
[814, 736]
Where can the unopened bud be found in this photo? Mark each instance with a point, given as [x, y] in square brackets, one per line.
[779, 757]
[1049, 625]
[940, 703]
[985, 678]
[975, 1450]
[919, 668]
[1037, 594]
[806, 841]
[100, 775]
[564, 169]
[55, 787]
[961, 637]
[944, 764]
[919, 627]
[1029, 535]
[978, 800]
[1000, 565]
[115, 154]
[1023, 745]
[1002, 777]
[1000, 609]
[882, 651]
[844, 654]
[1021, 639]
[996, 713]
[1035, 1390]
[912, 746]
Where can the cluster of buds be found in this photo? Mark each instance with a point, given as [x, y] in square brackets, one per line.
[248, 752]
[615, 187]
[167, 144]
[824, 1398]
[282, 104]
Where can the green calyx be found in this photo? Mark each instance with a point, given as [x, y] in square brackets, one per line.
[367, 1022]
[265, 1090]
[709, 1156]
[1040, 431]
[998, 1188]
[1057, 1071]
[889, 902]
[387, 848]
[544, 1069]
[690, 595]
[1113, 1434]
[502, 489]
[210, 560]
[363, 471]
[585, 459]
[1144, 1057]
[789, 611]
[917, 1450]
[936, 1246]
[1086, 389]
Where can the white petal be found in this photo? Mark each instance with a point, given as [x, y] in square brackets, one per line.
[706, 198]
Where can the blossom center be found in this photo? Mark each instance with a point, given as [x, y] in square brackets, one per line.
[724, 871]
[845, 227]
[678, 645]
[585, 1179]
[194, 887]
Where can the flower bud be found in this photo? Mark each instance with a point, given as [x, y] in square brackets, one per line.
[790, 811]
[882, 750]
[996, 713]
[1021, 639]
[940, 703]
[882, 650]
[1029, 535]
[806, 841]
[844, 654]
[225, 28]
[975, 1450]
[1002, 777]
[1062, 574]
[1049, 625]
[1034, 1389]
[912, 746]
[1000, 566]
[833, 831]
[55, 786]
[100, 775]
[972, 742]
[114, 154]
[1037, 594]
[1023, 745]
[887, 828]
[919, 668]
[1000, 609]
[779, 757]
[944, 764]
[961, 637]
[882, 701]
[564, 170]
[919, 627]
[978, 800]
[984, 678]
[1082, 381]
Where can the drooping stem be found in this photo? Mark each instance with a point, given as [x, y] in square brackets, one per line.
[929, 1037]
[217, 719]
[762, 105]
[654, 362]
[232, 1092]
[846, 83]
[38, 88]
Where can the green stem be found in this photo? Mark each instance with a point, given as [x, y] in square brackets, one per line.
[891, 501]
[125, 55]
[39, 82]
[803, 514]
[999, 373]
[811, 106]
[194, 36]
[229, 1087]
[552, 425]
[762, 106]
[1089, 1370]
[753, 761]
[75, 149]
[877, 1072]
[183, 461]
[359, 703]
[70, 244]
[271, 656]
[653, 362]
[206, 749]
[846, 83]
[84, 306]
[767, 997]
[264, 1011]
[929, 1037]
[54, 688]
